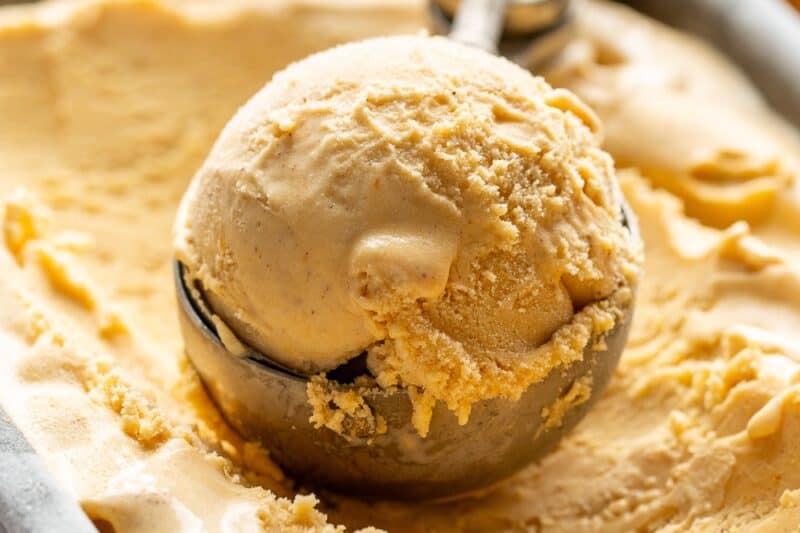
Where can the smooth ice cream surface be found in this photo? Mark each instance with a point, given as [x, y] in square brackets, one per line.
[432, 204]
[115, 109]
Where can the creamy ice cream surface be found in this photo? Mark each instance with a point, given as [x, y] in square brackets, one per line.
[426, 202]
[117, 106]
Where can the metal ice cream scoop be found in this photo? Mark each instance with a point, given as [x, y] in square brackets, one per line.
[268, 402]
[528, 32]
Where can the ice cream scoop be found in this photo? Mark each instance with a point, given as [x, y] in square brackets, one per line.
[423, 228]
[268, 403]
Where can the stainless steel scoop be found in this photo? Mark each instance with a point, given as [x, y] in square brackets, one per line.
[529, 32]
[268, 402]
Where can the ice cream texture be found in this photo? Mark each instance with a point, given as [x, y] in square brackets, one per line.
[426, 202]
[117, 106]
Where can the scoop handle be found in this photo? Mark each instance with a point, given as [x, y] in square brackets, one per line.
[479, 23]
[761, 36]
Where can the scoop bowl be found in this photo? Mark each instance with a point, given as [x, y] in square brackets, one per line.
[267, 402]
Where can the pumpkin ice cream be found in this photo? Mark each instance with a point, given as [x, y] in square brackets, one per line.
[109, 107]
[426, 202]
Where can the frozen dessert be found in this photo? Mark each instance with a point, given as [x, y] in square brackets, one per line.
[117, 106]
[426, 202]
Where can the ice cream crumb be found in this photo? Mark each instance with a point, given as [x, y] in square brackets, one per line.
[23, 220]
[344, 409]
[63, 277]
[140, 419]
[577, 394]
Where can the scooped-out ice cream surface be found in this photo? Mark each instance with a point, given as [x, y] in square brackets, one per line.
[109, 107]
[430, 204]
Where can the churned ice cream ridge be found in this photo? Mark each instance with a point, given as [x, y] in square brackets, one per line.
[117, 107]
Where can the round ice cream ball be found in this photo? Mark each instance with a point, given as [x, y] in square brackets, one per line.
[406, 196]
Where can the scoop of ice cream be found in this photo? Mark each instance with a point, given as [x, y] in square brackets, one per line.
[431, 204]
